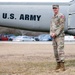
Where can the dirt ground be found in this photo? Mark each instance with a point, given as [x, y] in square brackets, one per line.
[33, 59]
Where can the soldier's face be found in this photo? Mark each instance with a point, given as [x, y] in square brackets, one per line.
[56, 10]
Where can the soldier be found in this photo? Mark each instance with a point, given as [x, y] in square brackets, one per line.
[57, 33]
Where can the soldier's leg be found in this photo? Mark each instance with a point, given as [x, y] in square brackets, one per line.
[60, 43]
[55, 49]
[61, 52]
[56, 54]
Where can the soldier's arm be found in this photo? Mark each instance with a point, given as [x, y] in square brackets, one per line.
[51, 27]
[61, 25]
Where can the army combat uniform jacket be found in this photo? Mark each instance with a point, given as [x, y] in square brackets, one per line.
[57, 24]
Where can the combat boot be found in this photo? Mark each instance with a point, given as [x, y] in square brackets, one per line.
[62, 66]
[57, 67]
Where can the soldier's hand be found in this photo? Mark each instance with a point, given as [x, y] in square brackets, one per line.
[53, 35]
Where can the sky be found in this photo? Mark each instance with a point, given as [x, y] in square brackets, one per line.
[35, 0]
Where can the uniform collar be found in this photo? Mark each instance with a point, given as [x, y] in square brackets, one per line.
[56, 15]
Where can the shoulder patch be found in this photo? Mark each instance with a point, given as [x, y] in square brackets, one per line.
[62, 16]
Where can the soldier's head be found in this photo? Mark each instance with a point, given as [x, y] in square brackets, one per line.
[55, 9]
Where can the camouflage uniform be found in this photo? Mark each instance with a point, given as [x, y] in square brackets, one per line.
[57, 27]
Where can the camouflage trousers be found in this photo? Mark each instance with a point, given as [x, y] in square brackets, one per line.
[58, 46]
